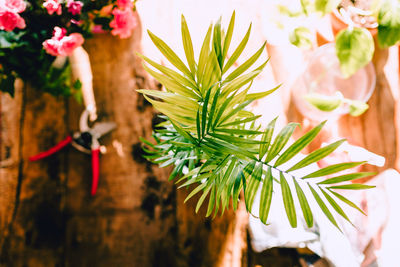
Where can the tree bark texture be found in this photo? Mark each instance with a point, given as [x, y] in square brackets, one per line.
[137, 217]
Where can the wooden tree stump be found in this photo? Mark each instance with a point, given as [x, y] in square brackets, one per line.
[137, 218]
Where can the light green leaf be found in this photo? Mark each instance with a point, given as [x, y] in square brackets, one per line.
[281, 140]
[237, 51]
[305, 207]
[266, 196]
[188, 46]
[172, 84]
[301, 37]
[347, 177]
[352, 186]
[288, 201]
[195, 191]
[335, 206]
[175, 99]
[326, 6]
[357, 108]
[324, 102]
[266, 138]
[323, 207]
[316, 155]
[334, 169]
[204, 53]
[260, 95]
[354, 48]
[297, 146]
[202, 198]
[169, 54]
[211, 202]
[246, 65]
[345, 200]
[228, 36]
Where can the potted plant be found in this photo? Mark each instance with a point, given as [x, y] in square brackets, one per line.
[216, 146]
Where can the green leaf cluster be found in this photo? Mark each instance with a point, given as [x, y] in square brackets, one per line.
[214, 143]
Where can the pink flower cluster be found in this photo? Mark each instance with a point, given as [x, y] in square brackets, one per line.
[54, 6]
[61, 44]
[124, 19]
[9, 14]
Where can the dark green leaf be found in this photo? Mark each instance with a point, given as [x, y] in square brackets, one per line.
[266, 138]
[347, 177]
[317, 155]
[334, 169]
[297, 146]
[280, 141]
[288, 201]
[266, 196]
[305, 207]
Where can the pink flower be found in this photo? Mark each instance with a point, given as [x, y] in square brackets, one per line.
[51, 46]
[16, 6]
[61, 44]
[53, 6]
[11, 20]
[123, 23]
[74, 7]
[123, 4]
[59, 33]
[69, 43]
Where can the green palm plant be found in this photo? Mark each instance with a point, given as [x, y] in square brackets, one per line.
[214, 143]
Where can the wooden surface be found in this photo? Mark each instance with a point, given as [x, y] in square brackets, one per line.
[137, 217]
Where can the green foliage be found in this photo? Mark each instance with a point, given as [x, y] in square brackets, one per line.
[354, 48]
[389, 23]
[301, 37]
[215, 145]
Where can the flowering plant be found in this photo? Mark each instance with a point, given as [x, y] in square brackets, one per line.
[33, 33]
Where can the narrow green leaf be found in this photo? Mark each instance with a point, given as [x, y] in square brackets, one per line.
[198, 125]
[297, 146]
[213, 109]
[305, 207]
[211, 202]
[195, 191]
[238, 82]
[260, 95]
[345, 200]
[252, 187]
[352, 186]
[335, 206]
[280, 141]
[316, 155]
[334, 169]
[175, 99]
[347, 177]
[266, 196]
[238, 131]
[234, 139]
[204, 113]
[169, 54]
[238, 122]
[204, 52]
[174, 84]
[237, 188]
[217, 42]
[288, 201]
[202, 198]
[237, 51]
[188, 46]
[246, 65]
[266, 138]
[228, 36]
[323, 207]
[249, 168]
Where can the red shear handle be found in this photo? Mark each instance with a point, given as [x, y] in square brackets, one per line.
[95, 170]
[52, 150]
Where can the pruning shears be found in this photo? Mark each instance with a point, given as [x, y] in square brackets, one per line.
[87, 141]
